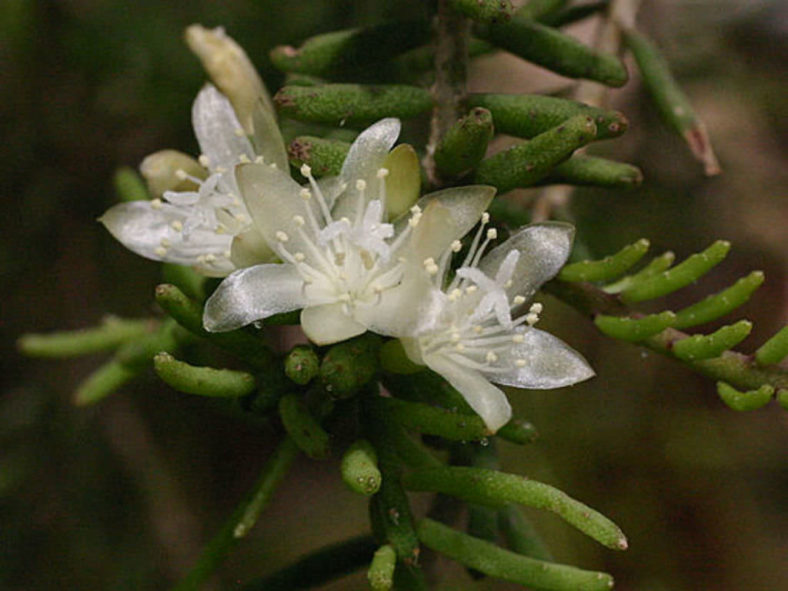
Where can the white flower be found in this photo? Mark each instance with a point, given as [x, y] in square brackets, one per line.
[198, 227]
[478, 329]
[344, 264]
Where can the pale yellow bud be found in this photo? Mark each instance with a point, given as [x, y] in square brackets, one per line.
[231, 71]
[170, 170]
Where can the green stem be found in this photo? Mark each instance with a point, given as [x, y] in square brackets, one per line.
[243, 518]
[112, 333]
[320, 567]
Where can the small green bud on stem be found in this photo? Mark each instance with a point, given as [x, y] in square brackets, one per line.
[359, 468]
[349, 366]
[302, 364]
[465, 143]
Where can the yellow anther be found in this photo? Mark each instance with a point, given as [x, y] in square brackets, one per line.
[305, 194]
[459, 347]
[259, 160]
[161, 251]
[520, 363]
[299, 257]
[181, 174]
[518, 300]
[471, 289]
[306, 170]
[239, 132]
[382, 173]
[518, 338]
[536, 308]
[243, 158]
[209, 258]
[298, 220]
[492, 234]
[531, 318]
[456, 246]
[156, 203]
[491, 357]
[281, 236]
[485, 217]
[204, 160]
[177, 225]
[361, 185]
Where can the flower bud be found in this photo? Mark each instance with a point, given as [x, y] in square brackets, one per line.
[230, 70]
[168, 170]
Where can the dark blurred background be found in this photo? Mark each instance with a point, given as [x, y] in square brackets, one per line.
[121, 496]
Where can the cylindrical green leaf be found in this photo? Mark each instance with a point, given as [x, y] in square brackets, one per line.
[188, 314]
[490, 487]
[484, 11]
[340, 52]
[303, 428]
[551, 49]
[742, 401]
[465, 143]
[349, 366]
[302, 364]
[608, 268]
[634, 329]
[527, 163]
[391, 511]
[203, 381]
[432, 420]
[520, 535]
[707, 346]
[689, 270]
[506, 565]
[129, 185]
[381, 572]
[186, 279]
[528, 115]
[112, 333]
[719, 304]
[351, 104]
[656, 265]
[673, 105]
[103, 382]
[359, 468]
[518, 431]
[591, 171]
[782, 398]
[775, 349]
[324, 157]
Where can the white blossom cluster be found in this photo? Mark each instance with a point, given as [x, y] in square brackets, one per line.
[330, 250]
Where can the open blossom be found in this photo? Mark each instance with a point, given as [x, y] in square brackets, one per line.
[344, 264]
[479, 328]
[197, 227]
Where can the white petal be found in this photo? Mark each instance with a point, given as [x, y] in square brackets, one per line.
[148, 231]
[549, 363]
[267, 138]
[273, 200]
[543, 249]
[366, 156]
[218, 130]
[395, 314]
[252, 294]
[250, 248]
[447, 216]
[328, 324]
[488, 401]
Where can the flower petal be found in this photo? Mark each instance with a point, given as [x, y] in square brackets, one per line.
[149, 231]
[543, 249]
[549, 363]
[488, 401]
[218, 130]
[252, 294]
[328, 324]
[447, 216]
[249, 248]
[403, 184]
[267, 137]
[366, 156]
[273, 200]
